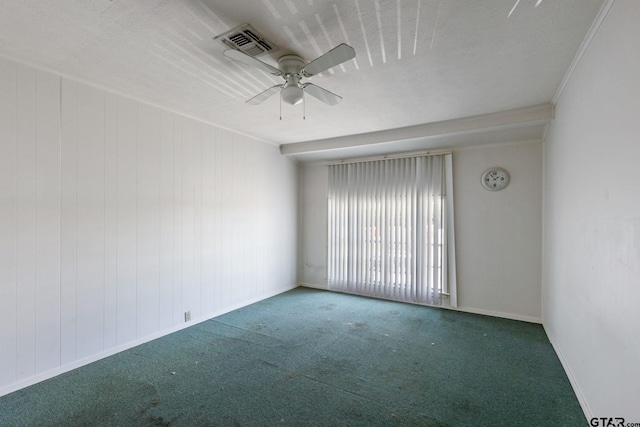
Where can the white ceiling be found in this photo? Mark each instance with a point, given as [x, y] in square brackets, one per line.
[418, 61]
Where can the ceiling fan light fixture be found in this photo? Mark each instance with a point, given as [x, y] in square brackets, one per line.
[292, 69]
[292, 95]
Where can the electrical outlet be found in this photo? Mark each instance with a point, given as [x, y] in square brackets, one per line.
[187, 316]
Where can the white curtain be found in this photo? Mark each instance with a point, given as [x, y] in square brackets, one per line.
[391, 229]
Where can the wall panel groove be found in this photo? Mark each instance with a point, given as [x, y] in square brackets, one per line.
[26, 221]
[47, 222]
[8, 222]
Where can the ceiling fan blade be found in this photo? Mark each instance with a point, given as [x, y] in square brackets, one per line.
[335, 56]
[322, 94]
[250, 60]
[264, 95]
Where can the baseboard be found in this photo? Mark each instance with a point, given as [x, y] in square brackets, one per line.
[313, 286]
[110, 352]
[572, 379]
[510, 316]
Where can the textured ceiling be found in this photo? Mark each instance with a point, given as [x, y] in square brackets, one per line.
[418, 61]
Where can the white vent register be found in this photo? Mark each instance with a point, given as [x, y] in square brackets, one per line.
[246, 39]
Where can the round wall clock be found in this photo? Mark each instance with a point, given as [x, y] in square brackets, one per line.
[495, 179]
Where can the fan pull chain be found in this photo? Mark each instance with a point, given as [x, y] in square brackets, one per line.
[304, 107]
[280, 107]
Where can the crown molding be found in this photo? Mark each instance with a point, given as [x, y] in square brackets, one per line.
[602, 14]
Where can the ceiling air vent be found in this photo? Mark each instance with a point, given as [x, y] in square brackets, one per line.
[245, 38]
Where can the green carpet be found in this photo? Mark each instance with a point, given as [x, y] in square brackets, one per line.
[315, 358]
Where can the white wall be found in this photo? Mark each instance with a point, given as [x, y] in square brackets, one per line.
[313, 211]
[498, 234]
[591, 280]
[117, 217]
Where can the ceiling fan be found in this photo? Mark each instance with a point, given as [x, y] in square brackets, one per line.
[293, 69]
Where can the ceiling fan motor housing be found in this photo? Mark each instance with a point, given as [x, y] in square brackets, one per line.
[291, 65]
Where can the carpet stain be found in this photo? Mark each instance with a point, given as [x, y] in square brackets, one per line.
[272, 365]
[157, 421]
[230, 421]
[259, 327]
[151, 418]
[420, 420]
[465, 406]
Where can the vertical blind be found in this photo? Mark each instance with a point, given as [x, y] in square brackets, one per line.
[390, 229]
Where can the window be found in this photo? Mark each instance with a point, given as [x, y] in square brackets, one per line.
[391, 229]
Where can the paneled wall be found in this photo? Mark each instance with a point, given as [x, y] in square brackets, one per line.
[117, 217]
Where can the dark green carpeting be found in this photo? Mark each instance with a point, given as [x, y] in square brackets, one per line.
[314, 358]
